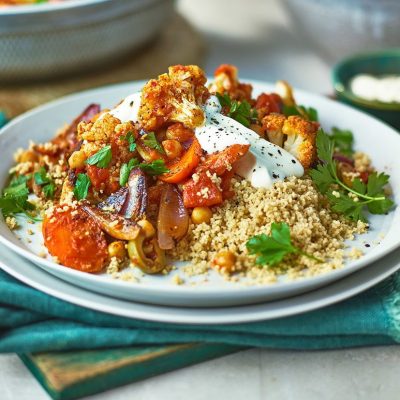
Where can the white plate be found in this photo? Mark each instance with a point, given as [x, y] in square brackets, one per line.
[372, 136]
[362, 280]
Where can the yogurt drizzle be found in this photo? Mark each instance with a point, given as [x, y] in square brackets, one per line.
[262, 165]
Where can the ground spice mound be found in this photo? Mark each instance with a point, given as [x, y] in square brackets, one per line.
[314, 228]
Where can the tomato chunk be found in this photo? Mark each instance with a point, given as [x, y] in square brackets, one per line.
[76, 240]
[201, 192]
[222, 161]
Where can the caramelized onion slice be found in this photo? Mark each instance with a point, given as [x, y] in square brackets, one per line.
[115, 202]
[173, 218]
[115, 225]
[136, 201]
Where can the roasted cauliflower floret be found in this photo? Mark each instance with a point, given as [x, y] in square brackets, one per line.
[300, 139]
[174, 97]
[226, 81]
[100, 130]
[272, 125]
[285, 91]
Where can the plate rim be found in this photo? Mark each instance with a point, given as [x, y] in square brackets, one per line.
[192, 317]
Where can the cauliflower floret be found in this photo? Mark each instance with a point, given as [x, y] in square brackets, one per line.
[226, 81]
[300, 141]
[272, 125]
[174, 97]
[98, 131]
[285, 91]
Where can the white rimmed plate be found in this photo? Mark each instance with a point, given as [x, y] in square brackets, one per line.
[380, 141]
[340, 290]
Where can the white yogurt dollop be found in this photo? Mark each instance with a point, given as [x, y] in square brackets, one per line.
[262, 165]
[385, 89]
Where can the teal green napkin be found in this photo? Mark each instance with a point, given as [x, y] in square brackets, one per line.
[32, 321]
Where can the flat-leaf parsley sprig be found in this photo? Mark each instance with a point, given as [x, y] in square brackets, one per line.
[241, 112]
[350, 201]
[272, 249]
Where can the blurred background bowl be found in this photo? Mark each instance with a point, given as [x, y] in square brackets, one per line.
[340, 28]
[48, 40]
[376, 64]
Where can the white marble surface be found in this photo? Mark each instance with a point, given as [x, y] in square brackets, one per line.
[257, 37]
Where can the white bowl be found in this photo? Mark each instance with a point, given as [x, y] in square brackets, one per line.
[47, 40]
[342, 27]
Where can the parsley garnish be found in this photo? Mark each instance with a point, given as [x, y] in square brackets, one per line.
[308, 113]
[156, 167]
[272, 249]
[151, 141]
[14, 199]
[42, 179]
[241, 112]
[343, 141]
[130, 138]
[350, 201]
[102, 158]
[82, 185]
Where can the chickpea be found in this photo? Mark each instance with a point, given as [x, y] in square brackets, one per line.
[201, 214]
[148, 248]
[77, 159]
[28, 156]
[117, 249]
[179, 132]
[225, 260]
[172, 148]
[148, 228]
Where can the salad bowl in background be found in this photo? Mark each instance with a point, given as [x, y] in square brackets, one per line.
[52, 39]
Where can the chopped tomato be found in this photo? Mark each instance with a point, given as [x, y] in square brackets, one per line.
[98, 176]
[227, 192]
[201, 192]
[222, 161]
[179, 132]
[76, 240]
[181, 169]
[268, 103]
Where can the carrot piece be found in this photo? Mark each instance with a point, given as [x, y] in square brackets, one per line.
[181, 169]
[76, 240]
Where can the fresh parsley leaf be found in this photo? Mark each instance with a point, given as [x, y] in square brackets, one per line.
[18, 179]
[151, 141]
[350, 201]
[272, 249]
[309, 113]
[82, 185]
[241, 112]
[126, 170]
[102, 158]
[156, 167]
[42, 179]
[343, 140]
[14, 199]
[130, 138]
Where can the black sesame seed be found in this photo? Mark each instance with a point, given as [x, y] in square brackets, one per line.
[293, 161]
[270, 154]
[131, 103]
[280, 153]
[367, 245]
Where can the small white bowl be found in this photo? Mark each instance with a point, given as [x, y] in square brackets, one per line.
[47, 40]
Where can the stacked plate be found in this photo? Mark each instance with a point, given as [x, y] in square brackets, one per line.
[157, 297]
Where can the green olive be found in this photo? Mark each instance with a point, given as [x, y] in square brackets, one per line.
[139, 258]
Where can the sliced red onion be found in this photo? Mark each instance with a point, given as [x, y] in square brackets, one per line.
[115, 225]
[115, 201]
[173, 218]
[136, 200]
[343, 159]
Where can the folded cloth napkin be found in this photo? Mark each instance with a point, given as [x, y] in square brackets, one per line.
[32, 321]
